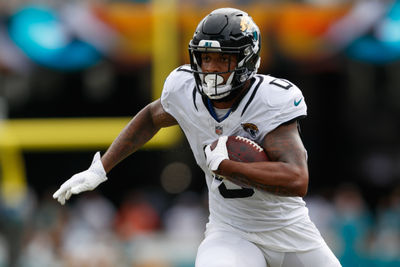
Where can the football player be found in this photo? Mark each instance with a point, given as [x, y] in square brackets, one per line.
[220, 94]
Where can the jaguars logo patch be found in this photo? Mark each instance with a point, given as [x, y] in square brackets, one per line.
[251, 128]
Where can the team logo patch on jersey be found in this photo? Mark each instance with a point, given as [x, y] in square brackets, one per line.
[251, 128]
[219, 130]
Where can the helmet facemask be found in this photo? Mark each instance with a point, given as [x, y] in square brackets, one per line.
[212, 84]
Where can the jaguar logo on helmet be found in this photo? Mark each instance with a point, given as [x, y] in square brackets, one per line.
[251, 128]
[246, 24]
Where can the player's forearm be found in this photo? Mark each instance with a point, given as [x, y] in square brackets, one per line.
[135, 134]
[275, 177]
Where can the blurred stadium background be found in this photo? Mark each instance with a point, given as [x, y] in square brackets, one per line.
[72, 73]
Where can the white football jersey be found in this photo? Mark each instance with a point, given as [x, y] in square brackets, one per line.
[269, 103]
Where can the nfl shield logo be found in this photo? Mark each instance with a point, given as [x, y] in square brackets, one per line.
[218, 130]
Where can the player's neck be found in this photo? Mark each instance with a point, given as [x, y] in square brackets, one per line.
[225, 104]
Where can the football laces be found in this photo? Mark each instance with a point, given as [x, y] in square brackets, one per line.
[251, 142]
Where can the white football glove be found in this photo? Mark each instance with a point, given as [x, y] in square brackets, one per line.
[216, 156]
[83, 181]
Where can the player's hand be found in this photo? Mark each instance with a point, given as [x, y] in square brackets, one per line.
[83, 181]
[216, 156]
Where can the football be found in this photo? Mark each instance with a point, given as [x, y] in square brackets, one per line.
[243, 149]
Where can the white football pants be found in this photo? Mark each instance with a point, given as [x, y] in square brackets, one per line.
[227, 249]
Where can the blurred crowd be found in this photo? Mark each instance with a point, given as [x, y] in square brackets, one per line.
[359, 235]
[93, 231]
[148, 230]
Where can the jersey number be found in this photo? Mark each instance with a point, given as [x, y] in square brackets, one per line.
[233, 193]
[281, 83]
